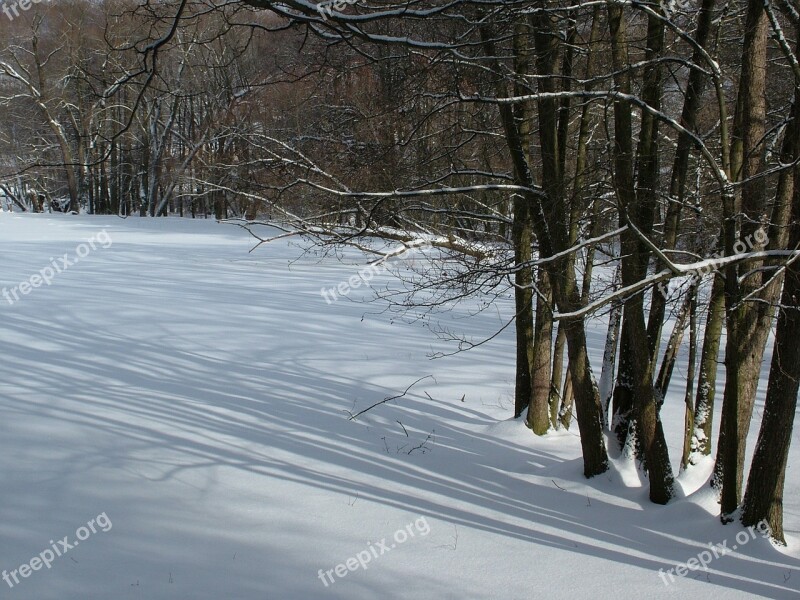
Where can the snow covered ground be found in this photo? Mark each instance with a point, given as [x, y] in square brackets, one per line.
[177, 408]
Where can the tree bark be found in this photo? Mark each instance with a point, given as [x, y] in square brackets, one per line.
[747, 325]
[764, 496]
[551, 231]
[538, 411]
[707, 376]
[522, 238]
[637, 206]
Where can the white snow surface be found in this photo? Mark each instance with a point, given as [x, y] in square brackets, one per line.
[198, 395]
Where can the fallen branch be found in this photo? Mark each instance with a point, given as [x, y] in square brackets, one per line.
[385, 400]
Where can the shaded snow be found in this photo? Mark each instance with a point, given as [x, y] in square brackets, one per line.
[198, 395]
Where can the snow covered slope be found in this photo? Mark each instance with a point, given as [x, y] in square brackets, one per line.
[179, 408]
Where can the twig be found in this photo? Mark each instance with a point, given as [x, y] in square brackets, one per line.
[422, 445]
[385, 400]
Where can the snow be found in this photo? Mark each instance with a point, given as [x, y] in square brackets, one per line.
[198, 395]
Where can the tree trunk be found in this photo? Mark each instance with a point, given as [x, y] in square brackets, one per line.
[747, 325]
[707, 376]
[689, 420]
[680, 165]
[764, 496]
[637, 206]
[551, 231]
[567, 403]
[538, 413]
[609, 360]
[674, 344]
[622, 420]
[522, 238]
[557, 376]
[523, 300]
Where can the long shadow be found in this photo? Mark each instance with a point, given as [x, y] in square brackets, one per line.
[146, 396]
[183, 384]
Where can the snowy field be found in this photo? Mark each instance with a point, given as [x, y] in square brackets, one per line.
[177, 407]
